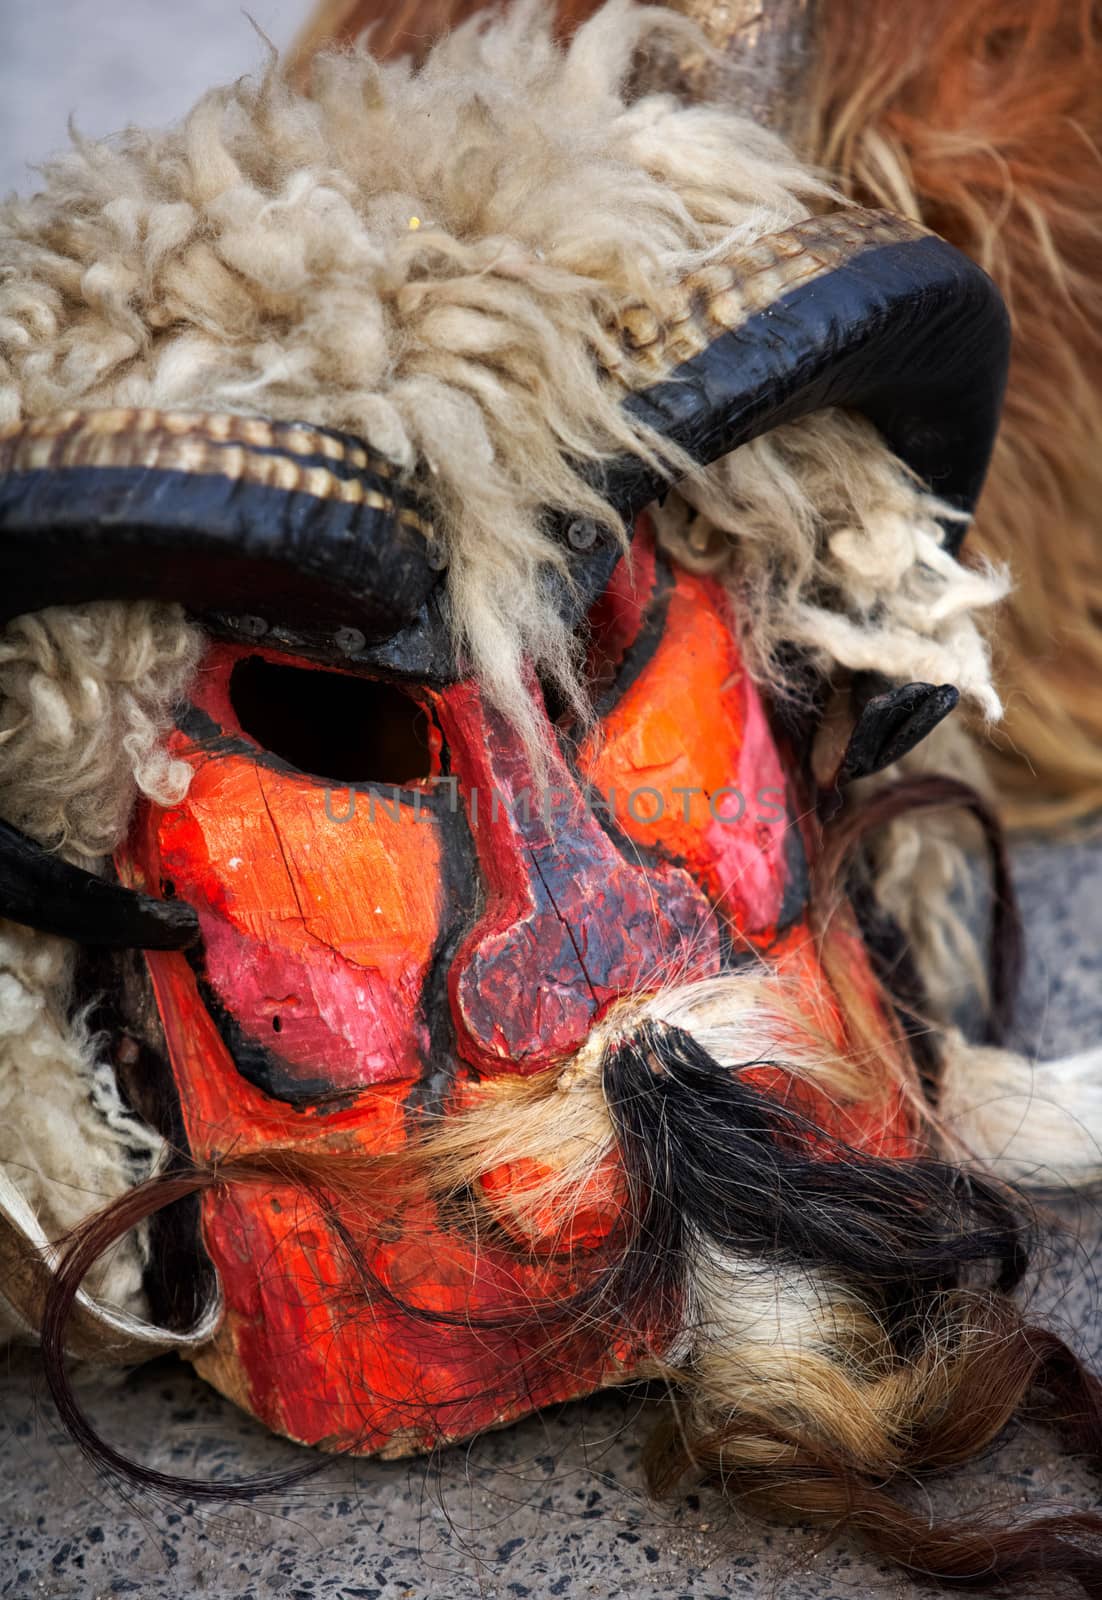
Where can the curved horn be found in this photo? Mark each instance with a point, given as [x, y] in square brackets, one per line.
[234, 512]
[311, 527]
[861, 310]
[45, 892]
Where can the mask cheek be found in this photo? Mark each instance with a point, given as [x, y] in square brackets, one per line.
[525, 1198]
[319, 922]
[694, 770]
[330, 1024]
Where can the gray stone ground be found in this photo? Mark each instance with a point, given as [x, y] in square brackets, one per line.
[554, 1506]
[551, 1507]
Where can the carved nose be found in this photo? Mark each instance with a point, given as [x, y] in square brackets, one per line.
[569, 923]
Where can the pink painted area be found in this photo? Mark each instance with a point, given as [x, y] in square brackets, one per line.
[746, 843]
[318, 935]
[347, 1024]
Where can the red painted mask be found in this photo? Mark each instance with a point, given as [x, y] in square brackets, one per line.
[367, 908]
[393, 908]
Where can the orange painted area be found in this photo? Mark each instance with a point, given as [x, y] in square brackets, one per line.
[355, 874]
[331, 927]
[692, 767]
[309, 1342]
[593, 1213]
[328, 1358]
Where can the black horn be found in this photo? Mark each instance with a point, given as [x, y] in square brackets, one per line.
[234, 513]
[860, 310]
[42, 890]
[313, 529]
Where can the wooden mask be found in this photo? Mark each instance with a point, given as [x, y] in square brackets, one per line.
[372, 906]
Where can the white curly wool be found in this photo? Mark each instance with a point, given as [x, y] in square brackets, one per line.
[1036, 1123]
[924, 866]
[85, 694]
[826, 541]
[67, 1143]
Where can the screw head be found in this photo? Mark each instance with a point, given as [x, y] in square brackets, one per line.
[350, 640]
[581, 534]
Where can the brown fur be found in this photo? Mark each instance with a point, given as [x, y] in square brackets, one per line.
[405, 28]
[984, 118]
[982, 1363]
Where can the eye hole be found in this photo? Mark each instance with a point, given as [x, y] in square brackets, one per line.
[330, 724]
[555, 704]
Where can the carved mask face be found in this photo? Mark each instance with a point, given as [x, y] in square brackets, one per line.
[369, 906]
[393, 907]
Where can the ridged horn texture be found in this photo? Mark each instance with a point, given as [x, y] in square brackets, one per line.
[234, 512]
[312, 528]
[861, 310]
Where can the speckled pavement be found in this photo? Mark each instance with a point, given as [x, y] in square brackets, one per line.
[551, 1507]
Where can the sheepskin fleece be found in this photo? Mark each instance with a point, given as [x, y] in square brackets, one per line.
[434, 260]
[67, 1141]
[84, 698]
